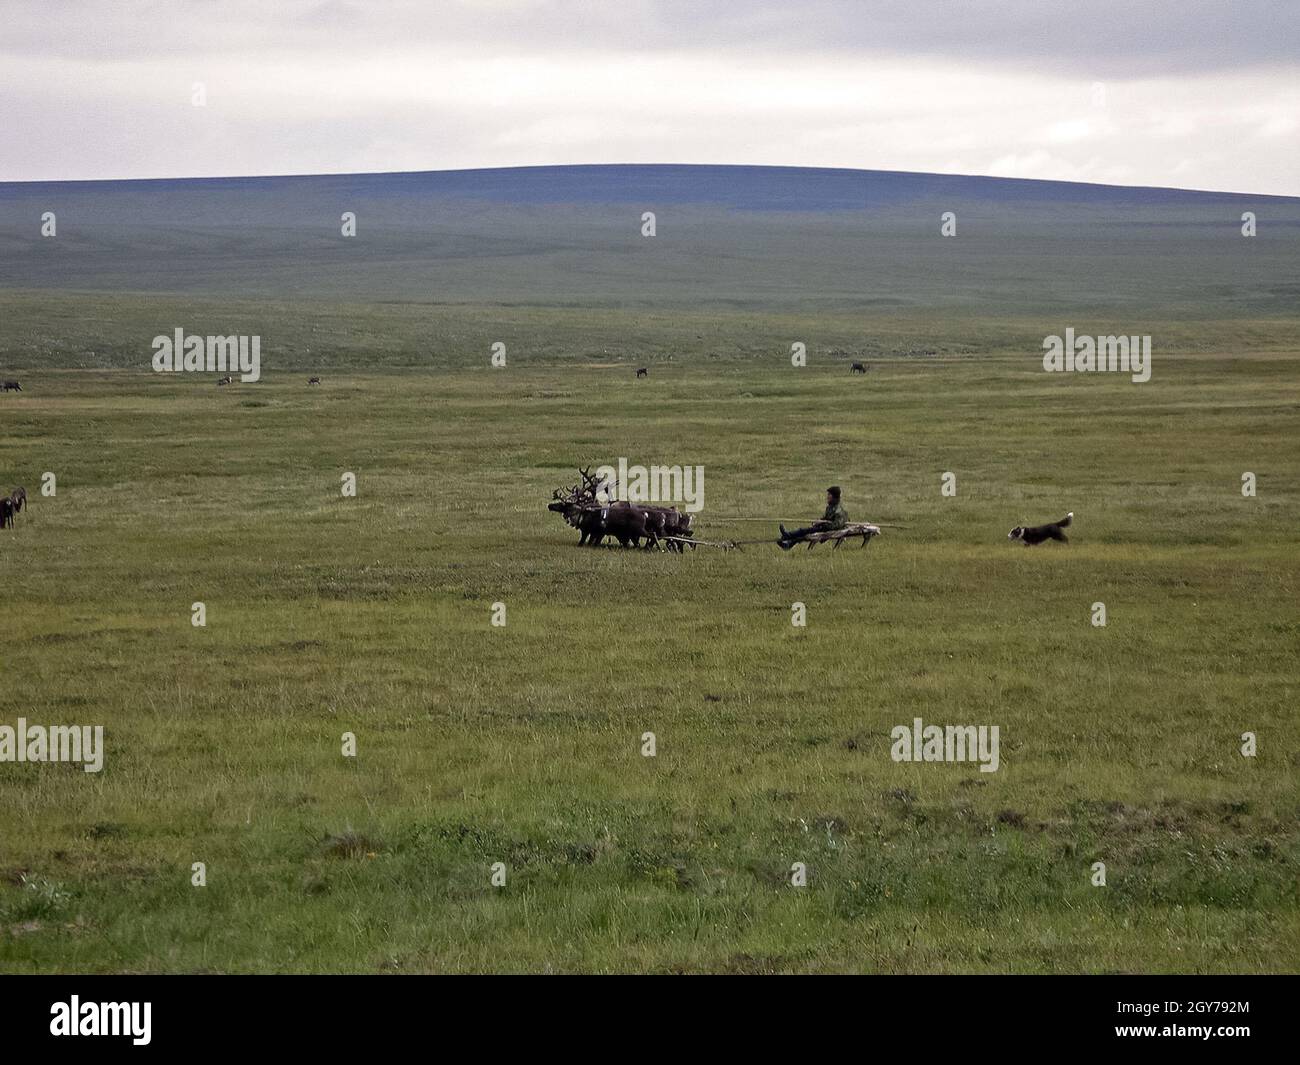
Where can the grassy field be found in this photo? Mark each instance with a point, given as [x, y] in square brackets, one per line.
[521, 744]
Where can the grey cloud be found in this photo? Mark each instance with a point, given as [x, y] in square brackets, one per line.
[1108, 38]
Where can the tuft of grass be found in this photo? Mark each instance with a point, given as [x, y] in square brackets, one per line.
[350, 844]
[38, 898]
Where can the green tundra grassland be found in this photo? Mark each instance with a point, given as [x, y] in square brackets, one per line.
[521, 744]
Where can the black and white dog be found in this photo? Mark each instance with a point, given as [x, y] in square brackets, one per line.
[1036, 534]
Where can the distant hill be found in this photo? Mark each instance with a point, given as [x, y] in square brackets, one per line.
[764, 238]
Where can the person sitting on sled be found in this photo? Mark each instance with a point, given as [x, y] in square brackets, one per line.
[834, 518]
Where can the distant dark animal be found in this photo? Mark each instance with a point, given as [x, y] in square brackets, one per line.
[1036, 534]
[857, 367]
[11, 386]
[643, 372]
[18, 500]
[313, 380]
[224, 380]
[6, 513]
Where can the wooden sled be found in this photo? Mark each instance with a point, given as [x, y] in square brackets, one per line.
[837, 536]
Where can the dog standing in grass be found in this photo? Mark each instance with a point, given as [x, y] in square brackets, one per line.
[11, 506]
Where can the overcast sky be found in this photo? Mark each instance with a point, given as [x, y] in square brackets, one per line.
[1193, 94]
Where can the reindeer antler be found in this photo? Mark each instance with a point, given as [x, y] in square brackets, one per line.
[587, 492]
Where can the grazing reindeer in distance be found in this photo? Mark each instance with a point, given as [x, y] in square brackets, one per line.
[11, 386]
[6, 512]
[17, 500]
[313, 380]
[224, 380]
[857, 367]
[643, 371]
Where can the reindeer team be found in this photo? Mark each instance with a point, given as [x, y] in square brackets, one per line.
[590, 509]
